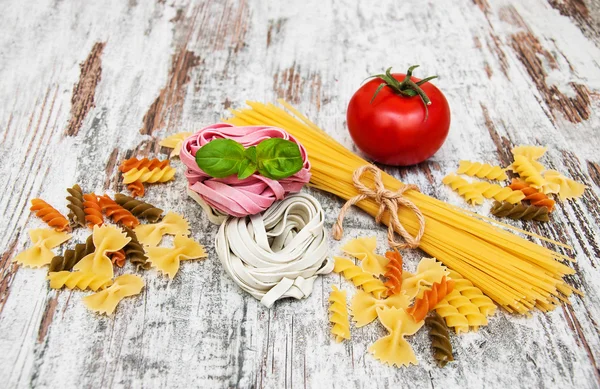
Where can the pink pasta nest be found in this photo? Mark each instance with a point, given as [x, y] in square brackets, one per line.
[230, 195]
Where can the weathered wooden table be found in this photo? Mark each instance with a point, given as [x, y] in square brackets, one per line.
[86, 84]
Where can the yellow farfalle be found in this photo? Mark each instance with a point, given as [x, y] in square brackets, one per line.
[171, 224]
[166, 259]
[466, 306]
[364, 306]
[106, 239]
[338, 314]
[532, 153]
[565, 187]
[174, 142]
[78, 279]
[393, 349]
[359, 277]
[150, 176]
[481, 170]
[106, 301]
[464, 188]
[364, 250]
[43, 240]
[429, 272]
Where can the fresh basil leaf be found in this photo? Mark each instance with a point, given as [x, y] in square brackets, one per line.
[278, 158]
[246, 169]
[250, 154]
[220, 158]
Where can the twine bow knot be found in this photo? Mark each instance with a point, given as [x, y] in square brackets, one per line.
[387, 200]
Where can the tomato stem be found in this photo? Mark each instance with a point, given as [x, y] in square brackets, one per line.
[406, 88]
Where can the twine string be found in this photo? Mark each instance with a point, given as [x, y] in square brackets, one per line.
[387, 200]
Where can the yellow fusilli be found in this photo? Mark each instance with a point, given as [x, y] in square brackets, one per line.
[150, 176]
[497, 192]
[527, 171]
[466, 306]
[464, 188]
[338, 314]
[359, 277]
[481, 170]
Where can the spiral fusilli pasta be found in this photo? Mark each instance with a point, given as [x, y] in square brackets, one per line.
[497, 192]
[519, 211]
[338, 314]
[394, 272]
[532, 195]
[118, 257]
[136, 188]
[92, 209]
[134, 251]
[440, 339]
[150, 176]
[466, 306]
[481, 170]
[49, 215]
[117, 213]
[393, 349]
[359, 277]
[364, 306]
[174, 142]
[76, 214]
[72, 256]
[464, 188]
[527, 171]
[150, 164]
[138, 208]
[78, 279]
[430, 298]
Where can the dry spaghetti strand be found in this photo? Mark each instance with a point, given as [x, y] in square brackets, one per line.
[516, 273]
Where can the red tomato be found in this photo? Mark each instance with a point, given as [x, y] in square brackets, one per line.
[393, 129]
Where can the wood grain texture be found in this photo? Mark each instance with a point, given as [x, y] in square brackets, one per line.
[514, 73]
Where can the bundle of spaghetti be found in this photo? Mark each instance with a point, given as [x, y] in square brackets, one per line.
[532, 195]
[117, 213]
[49, 215]
[93, 212]
[516, 273]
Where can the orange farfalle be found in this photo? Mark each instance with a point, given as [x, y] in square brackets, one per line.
[49, 215]
[134, 163]
[117, 213]
[532, 195]
[430, 299]
[93, 212]
[136, 188]
[394, 272]
[118, 257]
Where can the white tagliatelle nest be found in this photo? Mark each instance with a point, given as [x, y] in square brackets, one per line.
[278, 253]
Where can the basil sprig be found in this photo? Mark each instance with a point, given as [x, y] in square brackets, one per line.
[274, 158]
